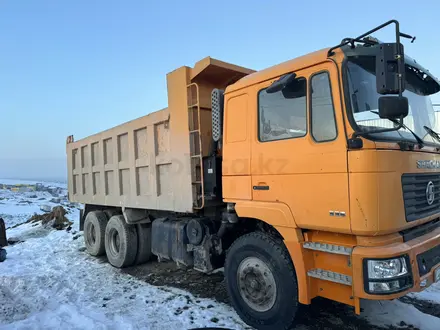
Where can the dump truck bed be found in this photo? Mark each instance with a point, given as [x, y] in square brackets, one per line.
[129, 165]
[153, 162]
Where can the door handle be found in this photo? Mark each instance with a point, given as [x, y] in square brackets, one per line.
[261, 186]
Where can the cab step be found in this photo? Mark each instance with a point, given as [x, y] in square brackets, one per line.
[328, 275]
[330, 248]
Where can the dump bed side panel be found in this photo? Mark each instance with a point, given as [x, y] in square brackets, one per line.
[156, 161]
[141, 164]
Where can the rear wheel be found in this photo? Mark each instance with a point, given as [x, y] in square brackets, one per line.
[94, 232]
[121, 242]
[261, 281]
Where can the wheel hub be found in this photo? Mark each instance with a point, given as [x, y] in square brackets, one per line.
[115, 241]
[256, 284]
[90, 234]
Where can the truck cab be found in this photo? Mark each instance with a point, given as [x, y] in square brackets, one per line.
[344, 164]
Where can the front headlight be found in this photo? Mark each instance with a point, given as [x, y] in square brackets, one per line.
[386, 276]
[387, 268]
[384, 287]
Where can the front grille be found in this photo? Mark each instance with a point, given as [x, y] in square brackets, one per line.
[428, 259]
[414, 195]
[412, 233]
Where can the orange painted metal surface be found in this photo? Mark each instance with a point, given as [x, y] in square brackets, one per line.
[279, 213]
[376, 201]
[338, 263]
[333, 291]
[302, 62]
[237, 187]
[301, 259]
[293, 169]
[379, 240]
[237, 149]
[331, 238]
[411, 248]
[299, 183]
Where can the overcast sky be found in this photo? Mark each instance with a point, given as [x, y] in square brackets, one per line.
[80, 66]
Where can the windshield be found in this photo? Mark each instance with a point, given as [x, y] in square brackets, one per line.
[364, 102]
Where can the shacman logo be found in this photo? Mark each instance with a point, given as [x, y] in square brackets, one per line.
[430, 195]
[428, 164]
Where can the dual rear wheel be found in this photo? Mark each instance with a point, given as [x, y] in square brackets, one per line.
[106, 232]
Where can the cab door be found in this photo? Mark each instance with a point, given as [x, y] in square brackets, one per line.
[299, 153]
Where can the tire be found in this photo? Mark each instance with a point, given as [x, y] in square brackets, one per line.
[94, 232]
[121, 242]
[261, 282]
[144, 243]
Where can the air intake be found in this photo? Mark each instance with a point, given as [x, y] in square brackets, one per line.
[217, 99]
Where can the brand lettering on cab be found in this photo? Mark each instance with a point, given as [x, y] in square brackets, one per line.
[428, 164]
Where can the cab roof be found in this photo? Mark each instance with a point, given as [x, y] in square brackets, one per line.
[282, 68]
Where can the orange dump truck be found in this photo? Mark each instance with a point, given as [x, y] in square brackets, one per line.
[319, 176]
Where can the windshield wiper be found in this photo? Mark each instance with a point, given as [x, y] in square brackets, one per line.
[395, 121]
[432, 133]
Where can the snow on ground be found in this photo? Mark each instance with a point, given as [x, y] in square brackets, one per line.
[397, 313]
[16, 208]
[50, 282]
[431, 294]
[31, 182]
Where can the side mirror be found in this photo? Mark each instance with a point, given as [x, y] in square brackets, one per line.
[281, 83]
[393, 107]
[390, 69]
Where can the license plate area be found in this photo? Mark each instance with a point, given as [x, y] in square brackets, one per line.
[428, 260]
[437, 275]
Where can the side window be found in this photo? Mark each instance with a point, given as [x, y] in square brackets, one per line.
[283, 115]
[323, 116]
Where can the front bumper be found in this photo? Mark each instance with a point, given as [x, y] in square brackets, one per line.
[418, 249]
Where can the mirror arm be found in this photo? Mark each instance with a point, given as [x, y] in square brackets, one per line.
[400, 69]
[350, 40]
[399, 55]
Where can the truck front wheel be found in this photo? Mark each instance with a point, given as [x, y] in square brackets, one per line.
[261, 281]
[121, 242]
